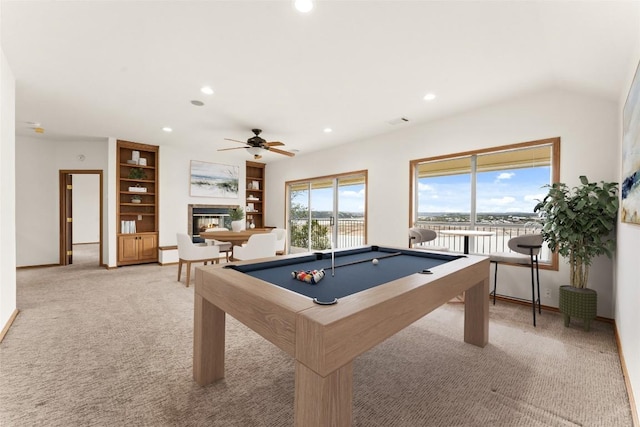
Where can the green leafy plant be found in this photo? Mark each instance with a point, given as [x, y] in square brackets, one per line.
[137, 173]
[578, 222]
[236, 214]
[319, 235]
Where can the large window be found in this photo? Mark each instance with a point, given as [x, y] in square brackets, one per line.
[494, 190]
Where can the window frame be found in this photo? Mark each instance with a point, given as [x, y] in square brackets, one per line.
[554, 143]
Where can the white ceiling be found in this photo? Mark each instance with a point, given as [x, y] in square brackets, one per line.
[92, 69]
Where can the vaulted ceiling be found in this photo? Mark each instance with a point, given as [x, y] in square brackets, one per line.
[93, 69]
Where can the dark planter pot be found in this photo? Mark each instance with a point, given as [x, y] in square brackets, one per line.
[580, 303]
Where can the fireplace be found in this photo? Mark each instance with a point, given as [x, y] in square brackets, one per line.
[202, 217]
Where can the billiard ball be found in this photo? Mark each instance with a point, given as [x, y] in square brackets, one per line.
[375, 261]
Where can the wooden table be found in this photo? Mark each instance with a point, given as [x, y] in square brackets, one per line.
[466, 234]
[325, 339]
[236, 238]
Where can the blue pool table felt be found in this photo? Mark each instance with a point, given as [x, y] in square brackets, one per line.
[354, 270]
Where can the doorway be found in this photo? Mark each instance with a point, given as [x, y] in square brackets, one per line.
[86, 198]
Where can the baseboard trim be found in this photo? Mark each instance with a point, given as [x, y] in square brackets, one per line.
[544, 307]
[625, 374]
[9, 323]
[26, 267]
[168, 263]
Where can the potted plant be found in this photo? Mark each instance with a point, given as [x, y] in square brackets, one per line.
[137, 173]
[237, 216]
[578, 222]
[136, 199]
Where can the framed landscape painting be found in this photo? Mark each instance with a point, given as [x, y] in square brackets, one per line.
[630, 188]
[213, 180]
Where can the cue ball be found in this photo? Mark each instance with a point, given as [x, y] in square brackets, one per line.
[375, 261]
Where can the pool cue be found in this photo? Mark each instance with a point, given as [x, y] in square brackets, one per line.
[333, 259]
[364, 260]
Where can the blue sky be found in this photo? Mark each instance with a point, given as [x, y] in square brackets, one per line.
[350, 199]
[515, 190]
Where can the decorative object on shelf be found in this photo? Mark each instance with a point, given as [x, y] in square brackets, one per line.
[135, 156]
[132, 162]
[142, 161]
[137, 173]
[213, 180]
[138, 189]
[579, 223]
[236, 215]
[136, 199]
[127, 227]
[630, 188]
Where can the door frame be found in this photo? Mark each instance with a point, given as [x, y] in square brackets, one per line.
[336, 205]
[64, 225]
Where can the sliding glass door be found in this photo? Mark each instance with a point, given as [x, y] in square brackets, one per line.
[326, 210]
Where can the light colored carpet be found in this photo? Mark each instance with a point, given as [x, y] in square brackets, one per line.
[93, 347]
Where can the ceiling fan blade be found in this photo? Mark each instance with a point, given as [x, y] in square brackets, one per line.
[234, 148]
[235, 140]
[273, 143]
[275, 150]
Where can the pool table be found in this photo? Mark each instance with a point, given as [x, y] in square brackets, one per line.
[371, 302]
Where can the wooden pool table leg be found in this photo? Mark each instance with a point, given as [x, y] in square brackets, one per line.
[476, 314]
[208, 341]
[323, 401]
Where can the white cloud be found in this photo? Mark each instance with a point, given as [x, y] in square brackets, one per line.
[424, 187]
[351, 193]
[506, 200]
[505, 175]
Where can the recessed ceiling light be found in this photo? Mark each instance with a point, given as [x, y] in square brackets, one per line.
[303, 6]
[429, 97]
[206, 90]
[197, 103]
[167, 129]
[328, 130]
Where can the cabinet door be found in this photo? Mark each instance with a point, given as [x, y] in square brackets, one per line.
[127, 248]
[148, 247]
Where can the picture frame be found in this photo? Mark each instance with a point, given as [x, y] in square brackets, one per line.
[630, 187]
[213, 180]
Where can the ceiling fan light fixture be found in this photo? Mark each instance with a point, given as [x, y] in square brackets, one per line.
[303, 6]
[255, 151]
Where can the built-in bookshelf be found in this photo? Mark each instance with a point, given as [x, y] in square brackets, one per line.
[254, 205]
[137, 202]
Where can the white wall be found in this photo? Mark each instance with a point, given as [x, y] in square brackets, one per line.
[38, 162]
[7, 193]
[588, 128]
[86, 208]
[627, 294]
[174, 188]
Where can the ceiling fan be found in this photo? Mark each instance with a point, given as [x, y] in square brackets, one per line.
[255, 145]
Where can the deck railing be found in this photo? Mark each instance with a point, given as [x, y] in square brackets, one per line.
[351, 233]
[481, 244]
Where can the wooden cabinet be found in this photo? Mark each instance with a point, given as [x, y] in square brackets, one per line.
[254, 205]
[137, 248]
[137, 202]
